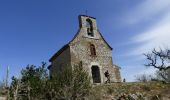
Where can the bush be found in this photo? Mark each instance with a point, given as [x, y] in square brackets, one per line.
[146, 88]
[70, 84]
[35, 85]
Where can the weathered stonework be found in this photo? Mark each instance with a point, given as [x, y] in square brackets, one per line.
[78, 49]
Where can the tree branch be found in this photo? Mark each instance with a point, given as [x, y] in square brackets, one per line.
[155, 55]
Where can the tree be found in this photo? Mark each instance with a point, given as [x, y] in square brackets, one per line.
[144, 78]
[81, 82]
[32, 84]
[2, 88]
[14, 88]
[160, 60]
[71, 84]
[34, 78]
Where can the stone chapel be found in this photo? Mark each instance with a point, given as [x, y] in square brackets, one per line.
[91, 49]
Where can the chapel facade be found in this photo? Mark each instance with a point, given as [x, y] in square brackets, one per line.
[91, 49]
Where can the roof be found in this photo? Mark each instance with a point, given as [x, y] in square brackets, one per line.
[63, 48]
[117, 66]
[59, 52]
[87, 16]
[67, 45]
[105, 41]
[49, 67]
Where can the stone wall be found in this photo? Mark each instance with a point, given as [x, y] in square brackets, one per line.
[80, 51]
[63, 60]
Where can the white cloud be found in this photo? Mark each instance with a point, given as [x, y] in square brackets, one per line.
[147, 9]
[156, 36]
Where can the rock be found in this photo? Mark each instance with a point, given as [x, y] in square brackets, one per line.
[3, 98]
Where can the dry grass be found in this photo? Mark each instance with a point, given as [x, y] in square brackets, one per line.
[147, 89]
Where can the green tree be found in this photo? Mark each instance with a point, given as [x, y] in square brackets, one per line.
[32, 84]
[70, 84]
[81, 86]
[14, 88]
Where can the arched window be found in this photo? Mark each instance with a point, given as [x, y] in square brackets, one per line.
[89, 26]
[92, 50]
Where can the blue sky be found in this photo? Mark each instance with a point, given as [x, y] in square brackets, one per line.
[31, 31]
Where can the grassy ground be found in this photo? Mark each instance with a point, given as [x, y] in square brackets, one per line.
[128, 91]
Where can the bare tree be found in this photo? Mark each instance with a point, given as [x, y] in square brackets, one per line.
[14, 89]
[143, 78]
[160, 59]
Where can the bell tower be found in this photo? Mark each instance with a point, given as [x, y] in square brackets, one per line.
[88, 24]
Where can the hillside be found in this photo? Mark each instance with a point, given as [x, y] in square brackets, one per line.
[133, 91]
[126, 91]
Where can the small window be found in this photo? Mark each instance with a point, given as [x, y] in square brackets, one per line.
[89, 26]
[92, 50]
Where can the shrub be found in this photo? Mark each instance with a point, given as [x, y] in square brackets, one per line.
[70, 84]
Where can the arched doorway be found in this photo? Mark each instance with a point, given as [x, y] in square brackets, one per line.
[96, 74]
